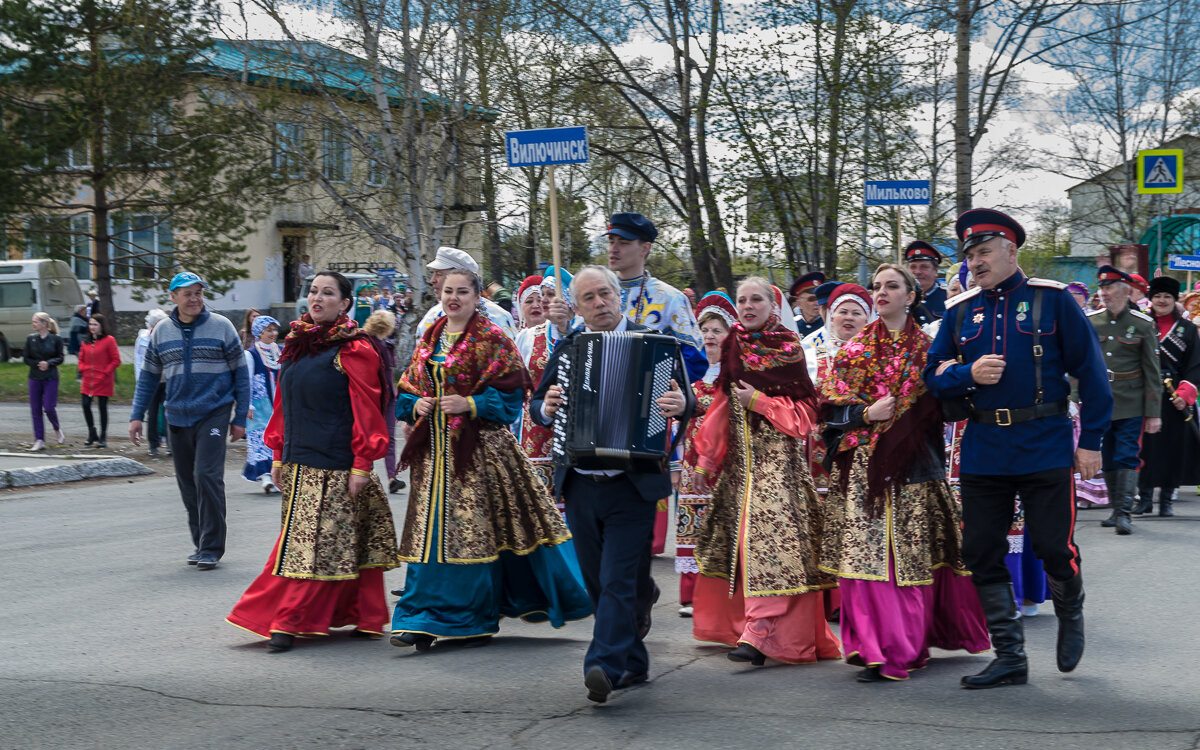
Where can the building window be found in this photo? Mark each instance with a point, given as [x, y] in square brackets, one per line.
[335, 161]
[376, 168]
[141, 247]
[62, 238]
[287, 154]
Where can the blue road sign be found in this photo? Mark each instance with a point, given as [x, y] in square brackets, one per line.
[536, 148]
[897, 193]
[1184, 263]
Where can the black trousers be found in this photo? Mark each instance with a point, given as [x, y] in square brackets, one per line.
[989, 500]
[198, 452]
[612, 527]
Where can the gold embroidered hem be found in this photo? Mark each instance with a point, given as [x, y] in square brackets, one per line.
[328, 535]
[499, 503]
[765, 484]
[921, 525]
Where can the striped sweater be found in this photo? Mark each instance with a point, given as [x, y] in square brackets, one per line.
[204, 370]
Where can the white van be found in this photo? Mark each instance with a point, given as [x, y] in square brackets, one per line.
[27, 286]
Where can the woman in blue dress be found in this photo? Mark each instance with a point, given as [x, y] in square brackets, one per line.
[262, 359]
[482, 534]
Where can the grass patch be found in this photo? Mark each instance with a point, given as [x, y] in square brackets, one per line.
[14, 383]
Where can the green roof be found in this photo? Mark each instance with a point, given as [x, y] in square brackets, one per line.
[305, 66]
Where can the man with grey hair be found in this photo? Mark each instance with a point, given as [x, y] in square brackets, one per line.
[1129, 339]
[610, 513]
[450, 258]
[1003, 352]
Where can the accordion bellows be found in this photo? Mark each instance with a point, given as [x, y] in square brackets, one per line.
[609, 419]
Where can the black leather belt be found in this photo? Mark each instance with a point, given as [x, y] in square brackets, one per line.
[1005, 417]
[599, 478]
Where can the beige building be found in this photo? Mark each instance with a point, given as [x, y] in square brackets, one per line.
[326, 146]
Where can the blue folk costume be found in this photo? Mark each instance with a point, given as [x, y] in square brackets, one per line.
[262, 360]
[482, 535]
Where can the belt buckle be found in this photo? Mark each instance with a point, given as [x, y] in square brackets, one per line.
[1003, 417]
[1111, 376]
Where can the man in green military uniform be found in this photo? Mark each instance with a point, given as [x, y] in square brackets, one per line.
[1130, 344]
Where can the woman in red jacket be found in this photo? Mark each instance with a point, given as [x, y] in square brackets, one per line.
[98, 361]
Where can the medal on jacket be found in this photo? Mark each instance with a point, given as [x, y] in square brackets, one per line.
[977, 318]
[1130, 331]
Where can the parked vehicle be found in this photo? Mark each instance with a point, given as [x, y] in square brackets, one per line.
[358, 272]
[27, 286]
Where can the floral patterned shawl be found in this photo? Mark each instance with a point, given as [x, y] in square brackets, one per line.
[483, 357]
[872, 366]
[307, 338]
[770, 359]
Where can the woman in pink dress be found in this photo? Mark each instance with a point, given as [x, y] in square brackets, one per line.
[892, 531]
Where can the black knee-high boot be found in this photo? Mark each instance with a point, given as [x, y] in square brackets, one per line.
[1166, 499]
[1010, 667]
[1068, 607]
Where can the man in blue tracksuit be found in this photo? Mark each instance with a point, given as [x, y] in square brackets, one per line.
[199, 355]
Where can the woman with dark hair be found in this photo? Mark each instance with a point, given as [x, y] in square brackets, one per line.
[99, 359]
[43, 354]
[482, 534]
[326, 432]
[757, 551]
[1170, 456]
[892, 527]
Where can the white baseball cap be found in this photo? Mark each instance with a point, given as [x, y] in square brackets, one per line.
[451, 257]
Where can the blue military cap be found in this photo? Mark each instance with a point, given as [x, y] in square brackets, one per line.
[632, 226]
[921, 250]
[824, 290]
[806, 283]
[982, 224]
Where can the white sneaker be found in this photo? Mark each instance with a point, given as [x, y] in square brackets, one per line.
[38, 445]
[1029, 610]
[685, 610]
[62, 436]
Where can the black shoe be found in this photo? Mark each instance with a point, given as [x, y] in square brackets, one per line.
[644, 620]
[1123, 525]
[102, 444]
[747, 653]
[1144, 503]
[422, 641]
[364, 635]
[280, 642]
[396, 485]
[1111, 521]
[870, 674]
[92, 440]
[154, 451]
[629, 679]
[397, 592]
[193, 559]
[206, 562]
[598, 684]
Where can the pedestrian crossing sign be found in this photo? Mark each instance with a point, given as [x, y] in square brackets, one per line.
[1160, 171]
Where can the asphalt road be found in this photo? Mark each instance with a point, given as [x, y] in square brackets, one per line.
[107, 640]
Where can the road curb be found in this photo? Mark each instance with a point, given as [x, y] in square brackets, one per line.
[70, 470]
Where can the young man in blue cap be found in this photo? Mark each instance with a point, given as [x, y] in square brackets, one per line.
[646, 300]
[1129, 339]
[1006, 347]
[199, 356]
[803, 294]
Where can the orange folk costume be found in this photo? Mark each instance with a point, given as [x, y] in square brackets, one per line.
[758, 550]
[326, 568]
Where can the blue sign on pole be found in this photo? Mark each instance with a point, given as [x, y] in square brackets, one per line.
[897, 193]
[1184, 263]
[537, 148]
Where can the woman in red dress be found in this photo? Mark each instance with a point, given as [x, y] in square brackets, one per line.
[327, 431]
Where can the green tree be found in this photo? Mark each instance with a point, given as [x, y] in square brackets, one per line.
[112, 154]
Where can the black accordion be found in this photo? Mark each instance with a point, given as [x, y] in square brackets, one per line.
[609, 419]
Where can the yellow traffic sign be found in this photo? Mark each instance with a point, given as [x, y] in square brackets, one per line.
[1160, 171]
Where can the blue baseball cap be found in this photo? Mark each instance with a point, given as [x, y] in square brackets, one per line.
[823, 291]
[186, 278]
[632, 227]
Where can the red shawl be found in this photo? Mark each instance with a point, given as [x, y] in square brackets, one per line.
[770, 359]
[482, 357]
[872, 366]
